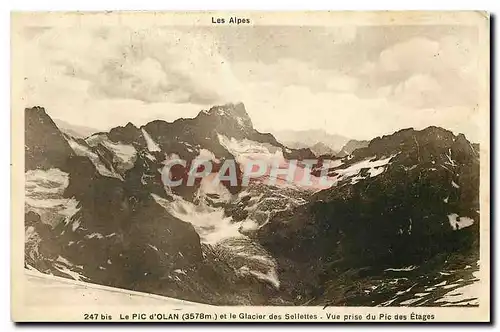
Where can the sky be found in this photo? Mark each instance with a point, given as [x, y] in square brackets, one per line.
[356, 81]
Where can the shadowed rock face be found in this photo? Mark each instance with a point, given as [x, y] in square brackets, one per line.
[420, 206]
[400, 217]
[230, 120]
[350, 146]
[129, 134]
[118, 234]
[185, 138]
[45, 146]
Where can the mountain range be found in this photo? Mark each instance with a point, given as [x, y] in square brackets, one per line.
[310, 139]
[403, 211]
[74, 130]
[350, 146]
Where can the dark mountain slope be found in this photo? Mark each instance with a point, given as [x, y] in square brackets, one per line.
[402, 210]
[45, 146]
[350, 146]
[159, 140]
[424, 202]
[91, 215]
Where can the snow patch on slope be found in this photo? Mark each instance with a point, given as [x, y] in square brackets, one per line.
[463, 295]
[213, 189]
[248, 152]
[84, 151]
[52, 181]
[245, 150]
[205, 154]
[215, 229]
[44, 196]
[47, 290]
[210, 223]
[408, 268]
[271, 276]
[32, 242]
[375, 167]
[124, 155]
[67, 271]
[95, 139]
[458, 222]
[152, 145]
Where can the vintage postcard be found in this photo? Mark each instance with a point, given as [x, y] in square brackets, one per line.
[251, 166]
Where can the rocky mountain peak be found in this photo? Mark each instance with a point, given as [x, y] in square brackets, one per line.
[431, 140]
[130, 125]
[35, 109]
[233, 112]
[45, 146]
[128, 134]
[350, 146]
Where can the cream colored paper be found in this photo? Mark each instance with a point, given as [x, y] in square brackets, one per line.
[47, 298]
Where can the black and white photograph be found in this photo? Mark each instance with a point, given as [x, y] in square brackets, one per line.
[240, 160]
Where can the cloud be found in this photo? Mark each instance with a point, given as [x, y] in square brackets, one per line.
[291, 72]
[419, 91]
[347, 114]
[107, 77]
[344, 34]
[422, 73]
[295, 94]
[154, 65]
